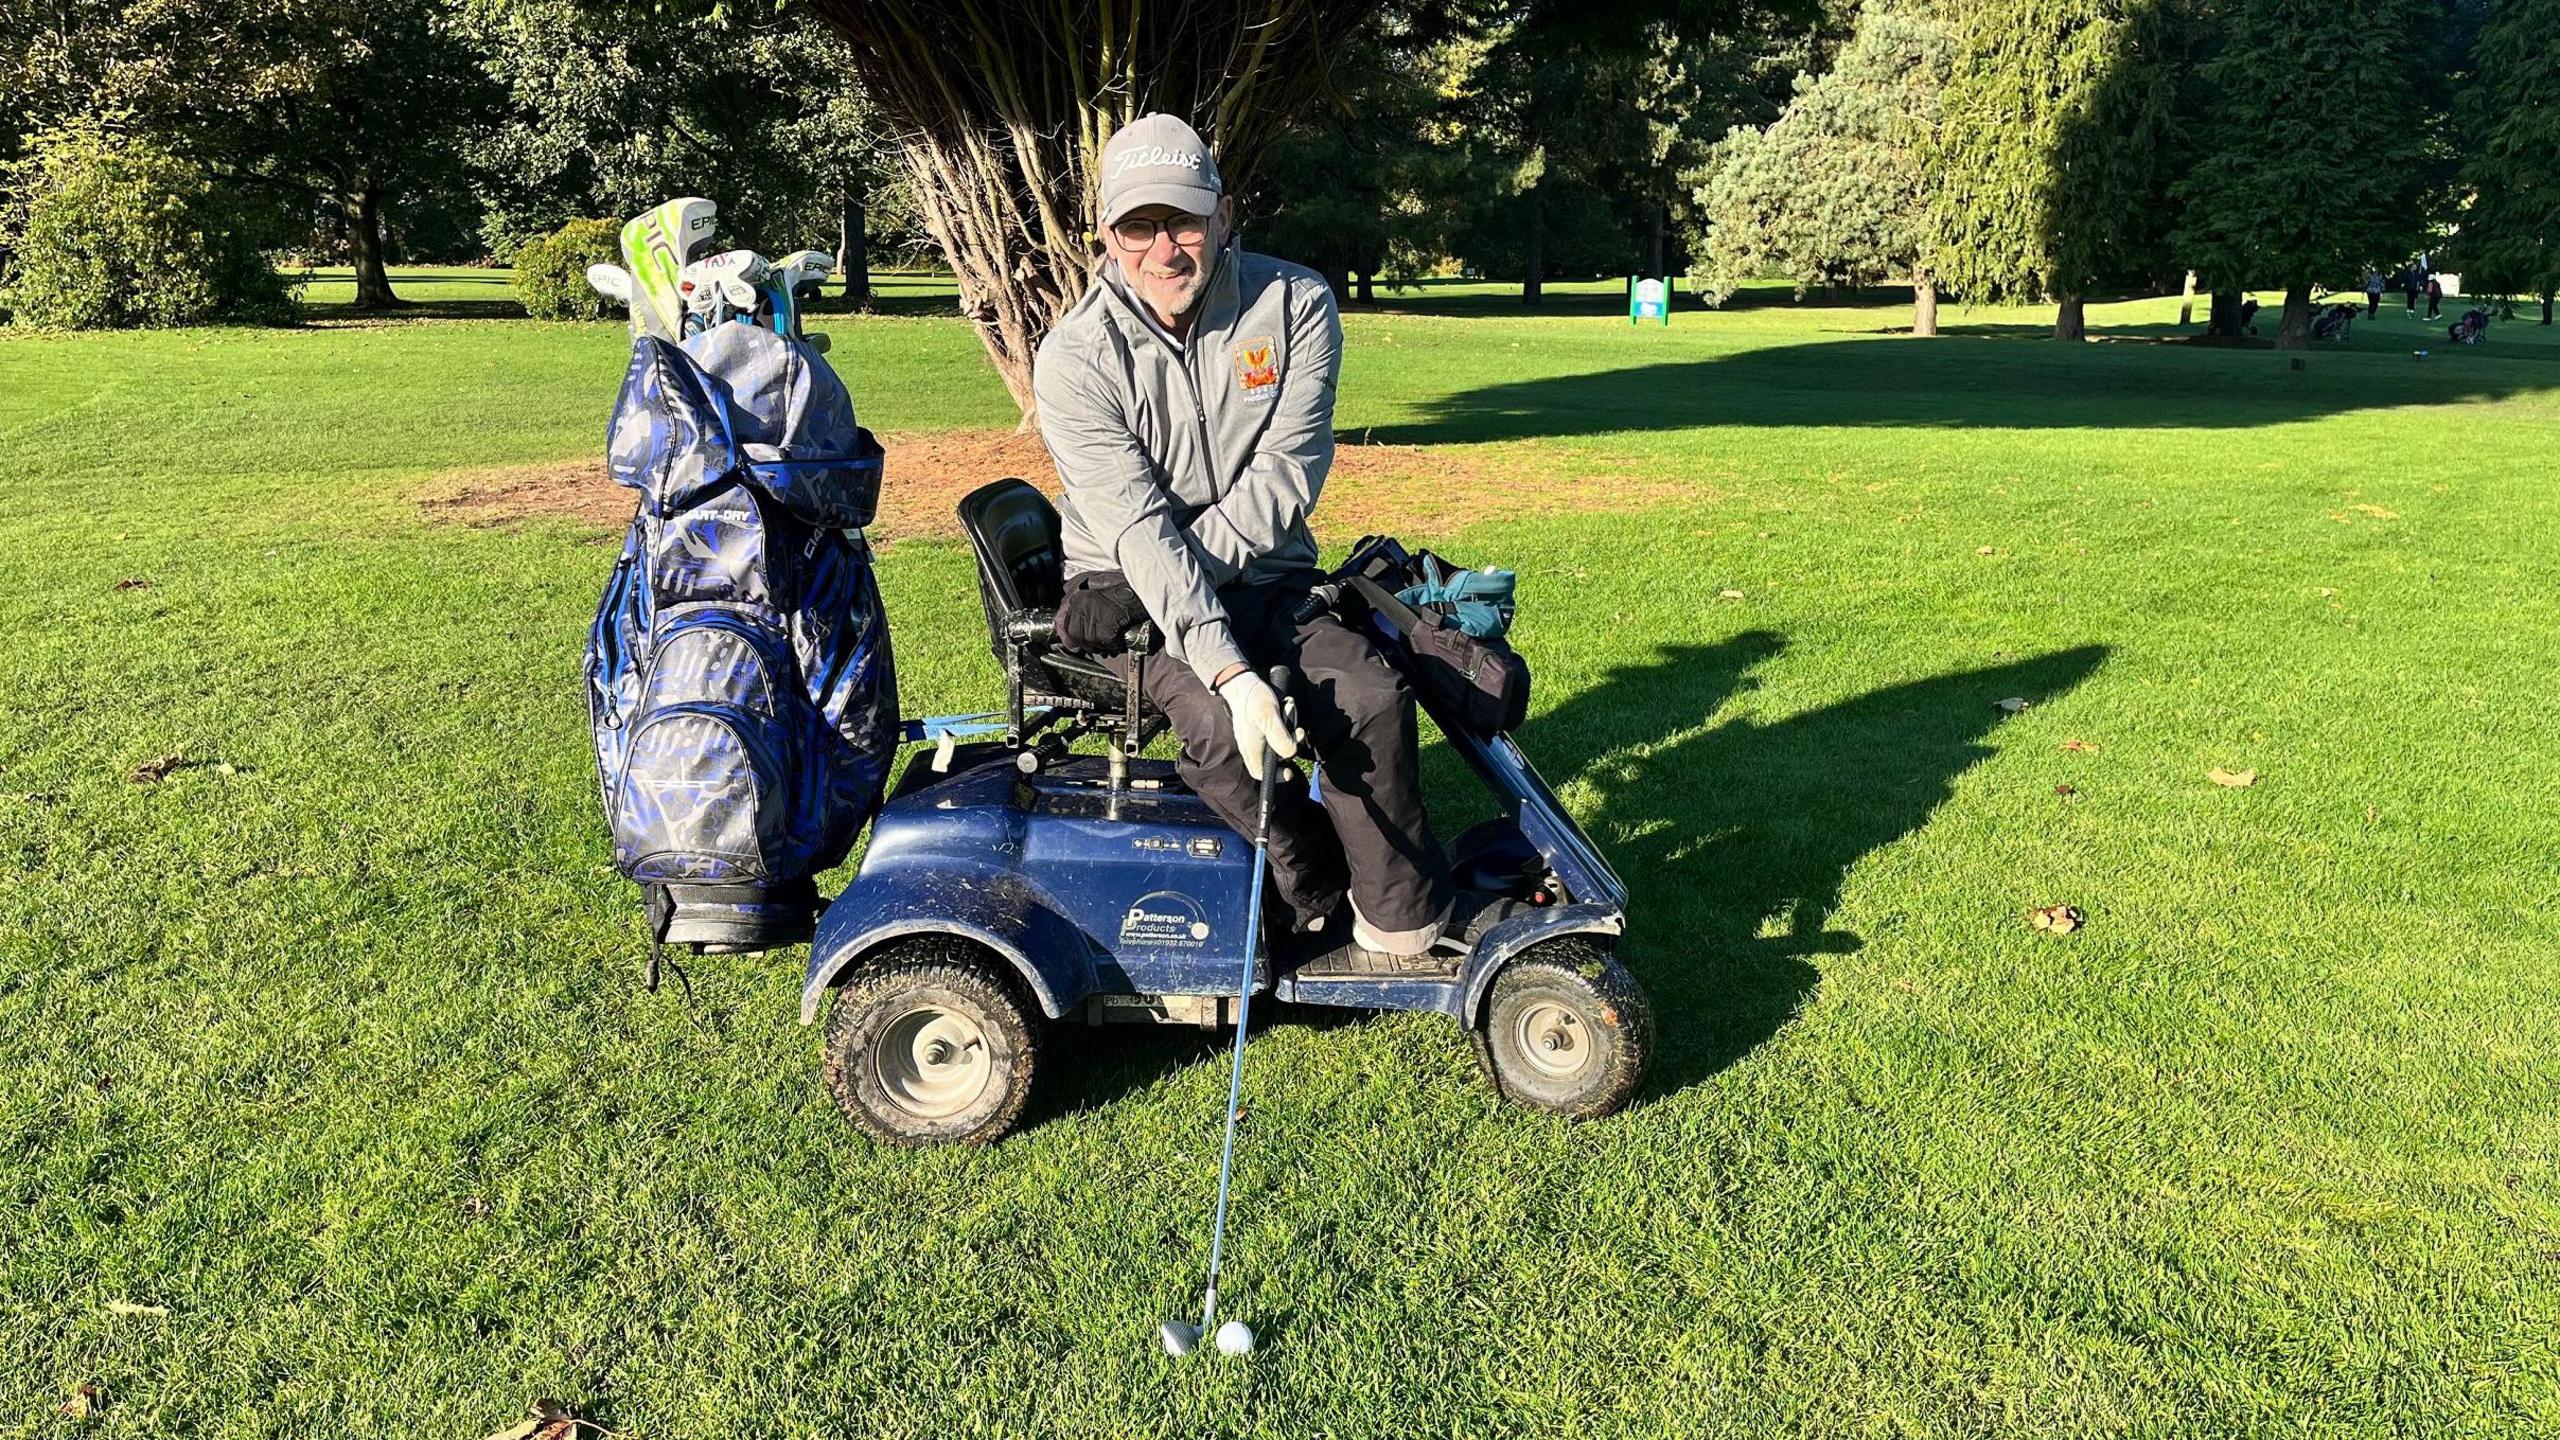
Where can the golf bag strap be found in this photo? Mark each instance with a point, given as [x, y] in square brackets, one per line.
[660, 907]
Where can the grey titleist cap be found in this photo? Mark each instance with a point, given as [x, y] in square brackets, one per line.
[1158, 160]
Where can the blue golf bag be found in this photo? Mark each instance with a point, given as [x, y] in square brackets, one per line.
[739, 681]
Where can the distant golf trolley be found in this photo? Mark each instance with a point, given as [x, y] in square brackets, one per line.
[1010, 882]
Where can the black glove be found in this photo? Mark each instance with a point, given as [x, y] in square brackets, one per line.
[1096, 613]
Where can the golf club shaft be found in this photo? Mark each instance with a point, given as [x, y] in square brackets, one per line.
[1244, 1007]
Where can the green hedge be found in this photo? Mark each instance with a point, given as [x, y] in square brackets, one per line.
[112, 231]
[551, 272]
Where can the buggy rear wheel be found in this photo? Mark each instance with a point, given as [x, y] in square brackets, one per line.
[930, 1044]
[1566, 1030]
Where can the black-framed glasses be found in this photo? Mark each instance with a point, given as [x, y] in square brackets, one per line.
[1138, 234]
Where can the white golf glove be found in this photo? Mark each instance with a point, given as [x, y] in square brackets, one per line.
[1258, 720]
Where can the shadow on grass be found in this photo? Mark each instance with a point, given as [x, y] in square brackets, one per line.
[1955, 382]
[1734, 840]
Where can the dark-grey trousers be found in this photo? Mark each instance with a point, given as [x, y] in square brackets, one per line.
[1358, 716]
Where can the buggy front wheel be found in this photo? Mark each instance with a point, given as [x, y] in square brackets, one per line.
[931, 1044]
[1566, 1030]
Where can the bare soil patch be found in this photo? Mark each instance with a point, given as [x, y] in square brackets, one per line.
[1373, 489]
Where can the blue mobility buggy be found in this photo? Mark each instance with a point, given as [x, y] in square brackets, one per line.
[1013, 886]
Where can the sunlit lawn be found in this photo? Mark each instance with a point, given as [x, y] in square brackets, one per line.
[327, 1050]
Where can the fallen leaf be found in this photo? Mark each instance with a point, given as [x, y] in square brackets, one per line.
[2080, 747]
[2066, 789]
[2013, 704]
[1986, 550]
[83, 1403]
[2326, 592]
[127, 1307]
[2060, 919]
[1728, 594]
[133, 583]
[2376, 511]
[154, 770]
[225, 767]
[551, 1421]
[2232, 779]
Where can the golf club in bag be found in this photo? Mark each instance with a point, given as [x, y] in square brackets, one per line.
[1181, 1337]
[739, 681]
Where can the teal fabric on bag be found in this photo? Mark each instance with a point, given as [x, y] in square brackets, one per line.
[1478, 602]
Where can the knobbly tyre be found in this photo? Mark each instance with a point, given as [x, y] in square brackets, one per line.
[1013, 887]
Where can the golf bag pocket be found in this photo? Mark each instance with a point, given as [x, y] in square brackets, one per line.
[841, 492]
[701, 797]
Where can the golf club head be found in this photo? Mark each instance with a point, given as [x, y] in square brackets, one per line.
[1180, 1337]
[610, 281]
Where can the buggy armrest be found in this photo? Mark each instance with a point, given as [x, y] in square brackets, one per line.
[1039, 629]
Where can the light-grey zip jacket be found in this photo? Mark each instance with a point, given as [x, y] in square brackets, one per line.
[1191, 466]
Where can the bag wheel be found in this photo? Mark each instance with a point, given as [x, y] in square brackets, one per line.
[1566, 1030]
[930, 1043]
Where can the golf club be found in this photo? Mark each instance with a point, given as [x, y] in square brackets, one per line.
[1234, 1338]
[655, 245]
[610, 281]
[790, 273]
[720, 288]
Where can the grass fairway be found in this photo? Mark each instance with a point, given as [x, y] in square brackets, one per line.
[329, 1103]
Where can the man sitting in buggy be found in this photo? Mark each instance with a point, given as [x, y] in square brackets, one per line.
[1187, 401]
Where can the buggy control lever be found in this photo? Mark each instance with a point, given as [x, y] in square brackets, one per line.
[1032, 627]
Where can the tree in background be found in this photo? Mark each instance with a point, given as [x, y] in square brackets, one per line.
[2048, 166]
[337, 108]
[612, 109]
[1000, 112]
[1351, 187]
[1833, 191]
[1575, 130]
[2309, 171]
[2508, 117]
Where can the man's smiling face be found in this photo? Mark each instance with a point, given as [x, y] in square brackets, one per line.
[1165, 254]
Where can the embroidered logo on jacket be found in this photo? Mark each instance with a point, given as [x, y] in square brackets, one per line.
[1254, 365]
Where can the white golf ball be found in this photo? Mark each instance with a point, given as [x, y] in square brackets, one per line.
[1235, 1339]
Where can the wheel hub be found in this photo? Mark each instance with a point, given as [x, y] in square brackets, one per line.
[1553, 1038]
[932, 1062]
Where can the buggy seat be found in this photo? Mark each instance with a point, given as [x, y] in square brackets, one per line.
[1014, 531]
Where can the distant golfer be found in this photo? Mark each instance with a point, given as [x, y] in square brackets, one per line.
[2411, 281]
[2372, 293]
[1188, 402]
[2435, 296]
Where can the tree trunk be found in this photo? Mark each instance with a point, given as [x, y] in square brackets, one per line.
[1367, 295]
[2546, 307]
[2187, 302]
[1653, 266]
[2294, 331]
[1924, 303]
[2225, 321]
[853, 254]
[2070, 320]
[364, 245]
[1337, 278]
[1533, 279]
[1001, 112]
